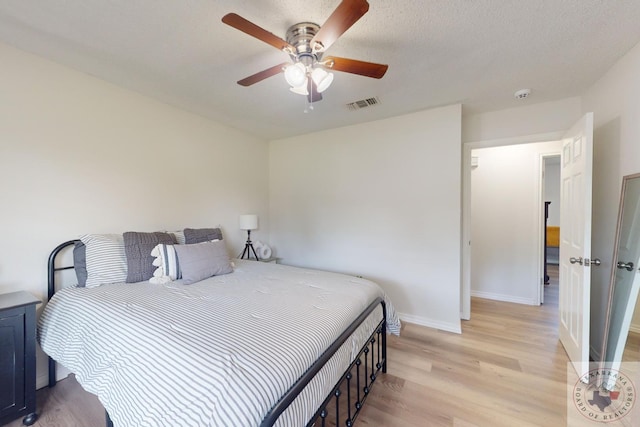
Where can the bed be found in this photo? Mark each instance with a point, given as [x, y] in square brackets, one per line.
[265, 345]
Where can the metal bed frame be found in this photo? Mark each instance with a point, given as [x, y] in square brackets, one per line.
[356, 381]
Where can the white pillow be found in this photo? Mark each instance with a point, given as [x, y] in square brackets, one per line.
[106, 259]
[167, 263]
[179, 235]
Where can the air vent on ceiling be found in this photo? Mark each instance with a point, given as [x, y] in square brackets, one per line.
[363, 103]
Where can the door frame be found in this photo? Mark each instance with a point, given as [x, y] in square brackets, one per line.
[465, 244]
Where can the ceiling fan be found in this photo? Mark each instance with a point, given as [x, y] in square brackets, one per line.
[305, 43]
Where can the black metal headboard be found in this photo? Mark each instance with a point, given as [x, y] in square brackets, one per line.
[52, 290]
[53, 269]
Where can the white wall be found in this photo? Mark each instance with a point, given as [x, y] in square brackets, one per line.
[616, 106]
[80, 155]
[552, 191]
[380, 199]
[506, 221]
[530, 119]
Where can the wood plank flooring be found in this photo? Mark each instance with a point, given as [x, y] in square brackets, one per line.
[632, 349]
[507, 368]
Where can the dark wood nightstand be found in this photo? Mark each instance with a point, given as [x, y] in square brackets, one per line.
[18, 357]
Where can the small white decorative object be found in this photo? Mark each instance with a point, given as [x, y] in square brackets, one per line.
[264, 251]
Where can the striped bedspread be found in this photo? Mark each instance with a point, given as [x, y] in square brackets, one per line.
[220, 352]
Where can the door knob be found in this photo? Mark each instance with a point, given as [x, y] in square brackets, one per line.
[574, 260]
[595, 261]
[626, 265]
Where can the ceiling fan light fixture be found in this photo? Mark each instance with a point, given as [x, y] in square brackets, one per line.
[301, 89]
[295, 74]
[322, 79]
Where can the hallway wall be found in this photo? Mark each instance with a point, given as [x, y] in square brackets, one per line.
[506, 227]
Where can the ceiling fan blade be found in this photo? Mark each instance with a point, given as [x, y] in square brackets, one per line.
[345, 15]
[313, 95]
[353, 66]
[258, 77]
[239, 23]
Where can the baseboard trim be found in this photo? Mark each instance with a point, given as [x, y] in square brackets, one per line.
[42, 380]
[431, 323]
[502, 297]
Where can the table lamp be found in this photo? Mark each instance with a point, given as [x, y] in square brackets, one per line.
[248, 222]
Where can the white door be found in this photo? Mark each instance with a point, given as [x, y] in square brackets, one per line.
[575, 242]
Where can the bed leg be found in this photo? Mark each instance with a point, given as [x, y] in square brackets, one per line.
[109, 423]
[52, 372]
[384, 337]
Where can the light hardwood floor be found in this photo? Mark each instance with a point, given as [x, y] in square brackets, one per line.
[632, 349]
[507, 368]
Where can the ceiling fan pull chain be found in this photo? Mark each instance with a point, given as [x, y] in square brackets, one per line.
[308, 105]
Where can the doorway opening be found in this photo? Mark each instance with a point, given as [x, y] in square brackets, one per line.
[576, 148]
[504, 220]
[549, 292]
[551, 227]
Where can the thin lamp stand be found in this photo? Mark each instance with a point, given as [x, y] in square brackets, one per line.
[248, 248]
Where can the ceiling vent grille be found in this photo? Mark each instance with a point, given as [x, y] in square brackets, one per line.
[363, 103]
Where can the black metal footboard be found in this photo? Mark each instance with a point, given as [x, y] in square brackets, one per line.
[371, 359]
[353, 388]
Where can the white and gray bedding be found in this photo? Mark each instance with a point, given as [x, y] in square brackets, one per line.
[220, 352]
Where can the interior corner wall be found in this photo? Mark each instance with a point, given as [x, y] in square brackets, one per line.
[616, 106]
[506, 215]
[380, 200]
[79, 155]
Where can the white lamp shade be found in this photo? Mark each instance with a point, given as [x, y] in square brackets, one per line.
[300, 90]
[248, 222]
[322, 79]
[295, 74]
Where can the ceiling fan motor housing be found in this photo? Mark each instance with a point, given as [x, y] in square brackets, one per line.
[299, 36]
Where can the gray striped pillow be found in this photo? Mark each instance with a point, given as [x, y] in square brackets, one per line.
[199, 235]
[80, 263]
[106, 259]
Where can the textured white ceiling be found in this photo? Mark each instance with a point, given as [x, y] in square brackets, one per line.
[474, 52]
